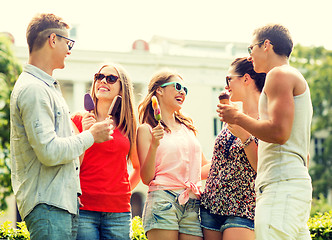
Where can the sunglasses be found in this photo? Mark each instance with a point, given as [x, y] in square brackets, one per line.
[109, 79]
[252, 46]
[229, 78]
[178, 87]
[70, 42]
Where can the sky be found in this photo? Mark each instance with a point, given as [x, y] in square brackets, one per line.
[114, 25]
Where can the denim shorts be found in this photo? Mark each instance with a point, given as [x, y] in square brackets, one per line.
[220, 223]
[103, 225]
[163, 211]
[49, 222]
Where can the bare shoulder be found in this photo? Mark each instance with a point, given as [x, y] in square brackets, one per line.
[144, 129]
[284, 71]
[286, 77]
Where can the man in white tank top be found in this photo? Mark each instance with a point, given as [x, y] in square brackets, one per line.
[283, 184]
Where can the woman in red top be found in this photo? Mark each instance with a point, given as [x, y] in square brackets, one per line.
[105, 182]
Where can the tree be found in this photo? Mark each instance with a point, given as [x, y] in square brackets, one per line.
[316, 65]
[9, 71]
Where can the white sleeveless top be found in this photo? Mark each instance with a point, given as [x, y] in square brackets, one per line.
[288, 161]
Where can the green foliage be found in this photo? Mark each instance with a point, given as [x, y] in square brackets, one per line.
[137, 229]
[10, 233]
[5, 184]
[22, 233]
[319, 205]
[9, 71]
[315, 63]
[320, 226]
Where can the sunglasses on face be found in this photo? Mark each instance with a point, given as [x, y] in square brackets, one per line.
[229, 78]
[109, 79]
[178, 87]
[253, 45]
[70, 42]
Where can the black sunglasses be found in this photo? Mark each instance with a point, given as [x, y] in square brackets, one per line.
[109, 79]
[252, 46]
[177, 86]
[70, 42]
[229, 78]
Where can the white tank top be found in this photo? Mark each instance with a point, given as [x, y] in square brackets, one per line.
[288, 161]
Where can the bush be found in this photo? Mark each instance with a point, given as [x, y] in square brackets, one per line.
[10, 69]
[320, 226]
[21, 233]
[137, 229]
[9, 233]
[319, 205]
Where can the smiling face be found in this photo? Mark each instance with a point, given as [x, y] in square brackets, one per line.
[236, 85]
[61, 50]
[257, 56]
[106, 91]
[171, 97]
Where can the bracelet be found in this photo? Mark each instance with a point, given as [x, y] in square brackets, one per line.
[248, 141]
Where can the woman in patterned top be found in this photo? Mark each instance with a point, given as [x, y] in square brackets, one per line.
[228, 201]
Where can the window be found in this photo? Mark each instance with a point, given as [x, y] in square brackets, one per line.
[319, 146]
[217, 124]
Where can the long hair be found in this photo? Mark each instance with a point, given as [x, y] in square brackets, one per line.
[243, 66]
[145, 110]
[125, 117]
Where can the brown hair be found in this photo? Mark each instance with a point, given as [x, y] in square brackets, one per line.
[243, 66]
[40, 27]
[145, 110]
[278, 35]
[125, 117]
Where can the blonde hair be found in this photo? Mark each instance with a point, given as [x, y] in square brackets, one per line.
[145, 110]
[126, 117]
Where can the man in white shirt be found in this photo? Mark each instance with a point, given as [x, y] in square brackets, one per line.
[283, 185]
[44, 148]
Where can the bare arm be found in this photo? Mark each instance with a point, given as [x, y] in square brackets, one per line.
[205, 167]
[277, 129]
[147, 144]
[134, 177]
[251, 149]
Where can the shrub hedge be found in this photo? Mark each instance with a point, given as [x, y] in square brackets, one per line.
[320, 227]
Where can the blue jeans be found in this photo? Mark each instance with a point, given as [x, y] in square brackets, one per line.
[49, 222]
[220, 223]
[103, 225]
[163, 211]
